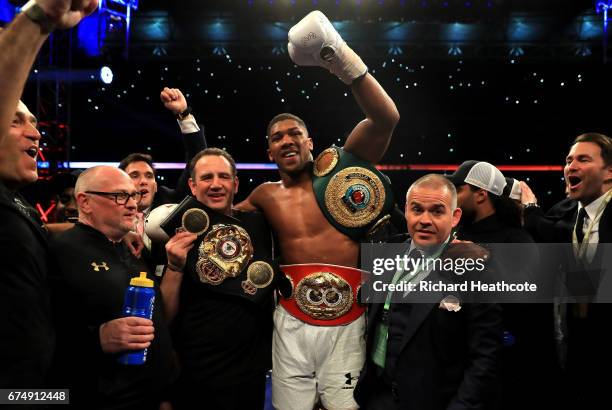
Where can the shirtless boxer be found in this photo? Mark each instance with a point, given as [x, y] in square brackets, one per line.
[318, 346]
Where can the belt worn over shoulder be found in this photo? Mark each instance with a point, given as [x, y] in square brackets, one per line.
[323, 295]
[352, 194]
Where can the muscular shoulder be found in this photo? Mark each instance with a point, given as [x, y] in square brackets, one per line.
[268, 187]
[264, 191]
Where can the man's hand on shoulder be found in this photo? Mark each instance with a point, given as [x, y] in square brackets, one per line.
[465, 249]
[134, 243]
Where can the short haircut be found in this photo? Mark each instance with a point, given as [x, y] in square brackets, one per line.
[216, 152]
[436, 181]
[282, 117]
[136, 157]
[88, 179]
[604, 142]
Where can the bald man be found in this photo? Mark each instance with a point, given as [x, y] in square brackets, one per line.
[94, 270]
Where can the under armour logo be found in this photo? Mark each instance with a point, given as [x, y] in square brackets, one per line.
[349, 379]
[97, 266]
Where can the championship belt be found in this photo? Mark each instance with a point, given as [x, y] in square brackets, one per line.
[323, 295]
[232, 255]
[352, 194]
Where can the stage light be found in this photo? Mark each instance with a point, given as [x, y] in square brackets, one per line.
[583, 51]
[219, 51]
[516, 52]
[278, 50]
[106, 75]
[395, 50]
[454, 51]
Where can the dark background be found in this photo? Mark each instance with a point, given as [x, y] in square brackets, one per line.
[492, 102]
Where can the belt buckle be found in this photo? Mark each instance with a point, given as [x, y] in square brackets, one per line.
[324, 296]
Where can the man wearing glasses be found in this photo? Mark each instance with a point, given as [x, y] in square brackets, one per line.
[94, 269]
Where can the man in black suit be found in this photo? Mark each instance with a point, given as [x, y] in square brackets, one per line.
[26, 335]
[492, 218]
[588, 175]
[431, 355]
[586, 222]
[140, 168]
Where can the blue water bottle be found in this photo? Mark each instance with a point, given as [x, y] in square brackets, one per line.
[139, 301]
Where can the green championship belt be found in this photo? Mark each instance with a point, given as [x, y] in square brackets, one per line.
[353, 195]
[232, 254]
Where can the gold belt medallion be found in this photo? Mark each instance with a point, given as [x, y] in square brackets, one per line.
[355, 197]
[325, 162]
[259, 275]
[195, 220]
[324, 296]
[224, 253]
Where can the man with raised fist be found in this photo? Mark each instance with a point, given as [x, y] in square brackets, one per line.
[26, 335]
[319, 211]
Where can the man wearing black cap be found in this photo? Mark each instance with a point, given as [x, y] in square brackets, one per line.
[488, 216]
[492, 218]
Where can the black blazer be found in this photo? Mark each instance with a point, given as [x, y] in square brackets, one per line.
[557, 225]
[26, 333]
[587, 336]
[448, 360]
[193, 143]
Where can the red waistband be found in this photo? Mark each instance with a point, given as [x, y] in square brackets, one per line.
[324, 295]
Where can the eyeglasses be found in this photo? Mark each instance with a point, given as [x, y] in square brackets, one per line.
[121, 198]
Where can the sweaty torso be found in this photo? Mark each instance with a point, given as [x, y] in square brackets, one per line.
[304, 233]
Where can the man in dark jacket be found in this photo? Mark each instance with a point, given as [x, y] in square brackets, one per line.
[94, 269]
[434, 356]
[140, 168]
[585, 221]
[26, 335]
[493, 219]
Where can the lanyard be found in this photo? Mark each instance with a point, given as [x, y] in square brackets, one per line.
[399, 275]
[580, 248]
[379, 353]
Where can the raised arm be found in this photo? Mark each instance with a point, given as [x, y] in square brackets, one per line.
[194, 139]
[23, 38]
[370, 139]
[315, 41]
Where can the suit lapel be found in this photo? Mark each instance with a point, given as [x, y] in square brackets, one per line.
[605, 225]
[420, 311]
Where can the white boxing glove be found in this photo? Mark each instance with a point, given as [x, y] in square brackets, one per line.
[315, 42]
[154, 219]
